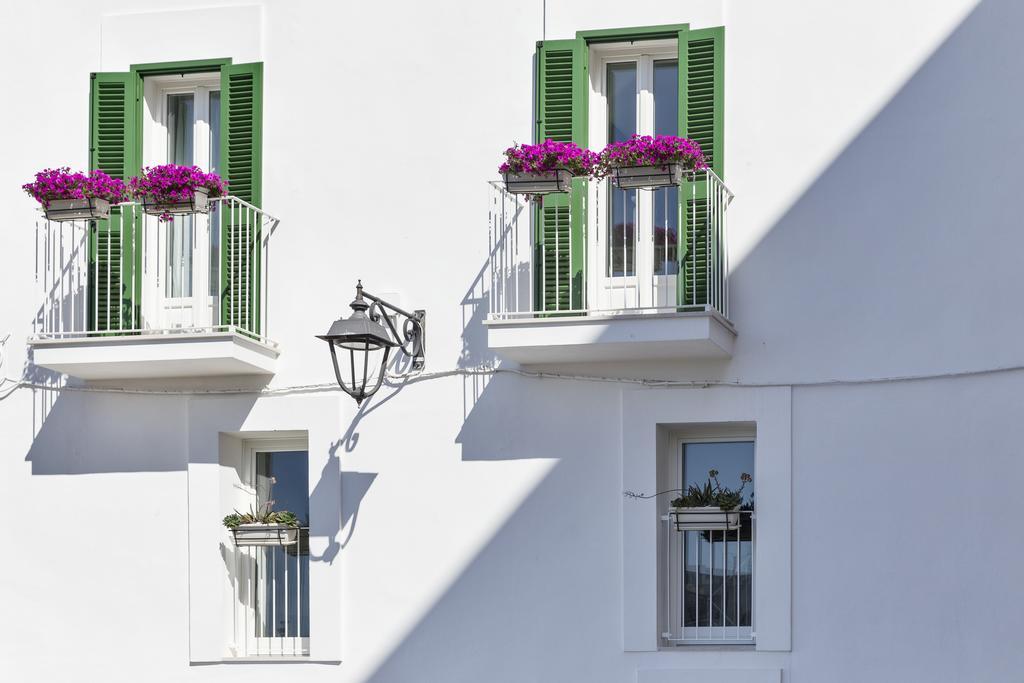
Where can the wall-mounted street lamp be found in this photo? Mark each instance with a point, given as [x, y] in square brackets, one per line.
[362, 334]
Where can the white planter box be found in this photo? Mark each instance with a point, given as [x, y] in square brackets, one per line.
[648, 177]
[77, 209]
[538, 183]
[265, 534]
[704, 519]
[199, 202]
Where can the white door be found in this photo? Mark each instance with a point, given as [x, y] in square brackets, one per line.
[183, 253]
[637, 231]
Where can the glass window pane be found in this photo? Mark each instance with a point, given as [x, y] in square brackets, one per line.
[180, 150]
[666, 122]
[730, 458]
[621, 101]
[666, 97]
[178, 244]
[718, 579]
[621, 239]
[666, 230]
[214, 131]
[282, 606]
[215, 209]
[180, 127]
[282, 477]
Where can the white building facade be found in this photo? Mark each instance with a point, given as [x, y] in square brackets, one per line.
[832, 308]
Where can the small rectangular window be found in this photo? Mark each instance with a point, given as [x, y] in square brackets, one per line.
[271, 582]
[709, 571]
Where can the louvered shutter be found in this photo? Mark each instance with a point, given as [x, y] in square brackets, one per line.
[559, 220]
[115, 282]
[241, 155]
[701, 114]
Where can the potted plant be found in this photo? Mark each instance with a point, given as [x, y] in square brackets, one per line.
[711, 507]
[263, 526]
[67, 196]
[646, 163]
[536, 170]
[170, 190]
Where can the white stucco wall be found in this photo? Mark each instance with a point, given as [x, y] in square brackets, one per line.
[873, 148]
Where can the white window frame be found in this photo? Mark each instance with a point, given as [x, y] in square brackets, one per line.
[628, 292]
[698, 635]
[649, 417]
[159, 310]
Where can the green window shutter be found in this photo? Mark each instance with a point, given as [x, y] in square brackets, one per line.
[701, 117]
[242, 157]
[115, 255]
[703, 54]
[242, 129]
[559, 234]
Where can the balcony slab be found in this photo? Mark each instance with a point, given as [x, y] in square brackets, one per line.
[612, 337]
[147, 356]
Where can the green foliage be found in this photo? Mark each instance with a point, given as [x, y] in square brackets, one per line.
[261, 515]
[712, 494]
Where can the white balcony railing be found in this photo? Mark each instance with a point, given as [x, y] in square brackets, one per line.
[540, 266]
[136, 275]
[708, 584]
[270, 586]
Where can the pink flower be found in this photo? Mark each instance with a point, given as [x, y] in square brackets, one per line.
[549, 156]
[171, 183]
[61, 183]
[644, 150]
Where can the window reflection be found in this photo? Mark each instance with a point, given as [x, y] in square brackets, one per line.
[666, 199]
[180, 150]
[283, 478]
[622, 90]
[215, 210]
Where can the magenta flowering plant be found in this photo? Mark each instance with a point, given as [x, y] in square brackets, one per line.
[172, 183]
[549, 156]
[61, 183]
[644, 150]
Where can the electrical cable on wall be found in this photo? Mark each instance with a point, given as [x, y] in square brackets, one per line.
[397, 382]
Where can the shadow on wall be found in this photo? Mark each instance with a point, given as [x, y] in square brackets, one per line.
[913, 230]
[475, 351]
[43, 399]
[86, 433]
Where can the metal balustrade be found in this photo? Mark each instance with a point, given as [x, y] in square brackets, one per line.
[133, 274]
[270, 585]
[708, 584]
[541, 267]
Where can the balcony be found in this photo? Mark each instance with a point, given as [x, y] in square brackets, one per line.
[135, 297]
[568, 285]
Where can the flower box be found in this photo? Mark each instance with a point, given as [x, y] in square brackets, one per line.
[265, 534]
[67, 195]
[708, 518]
[648, 177]
[196, 202]
[548, 182]
[76, 209]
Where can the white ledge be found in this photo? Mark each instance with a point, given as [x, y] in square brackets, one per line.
[144, 356]
[612, 337]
